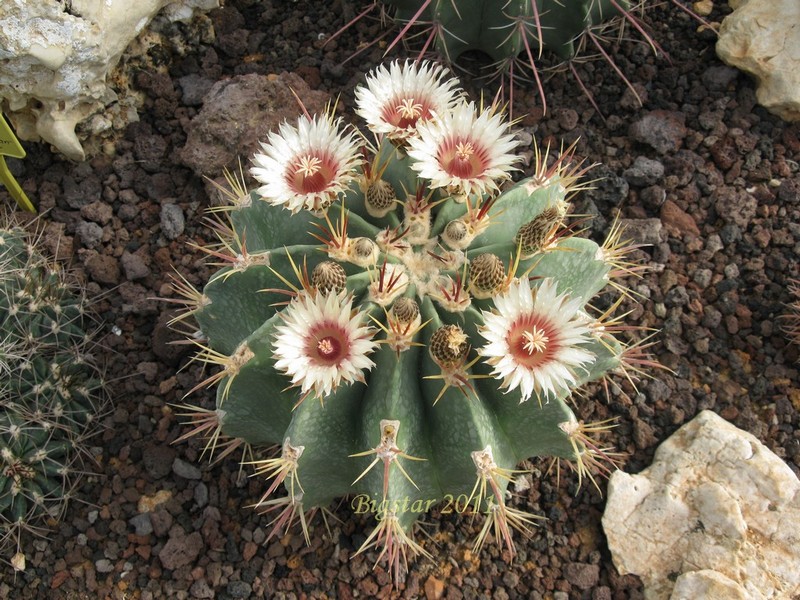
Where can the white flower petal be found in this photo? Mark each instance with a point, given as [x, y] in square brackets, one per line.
[321, 343]
[561, 327]
[308, 166]
[400, 96]
[464, 151]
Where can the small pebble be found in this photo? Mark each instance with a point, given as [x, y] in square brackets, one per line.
[172, 221]
[103, 566]
[186, 470]
[201, 494]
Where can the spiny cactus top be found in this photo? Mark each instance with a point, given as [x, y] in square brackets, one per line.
[48, 387]
[402, 320]
[504, 30]
[514, 34]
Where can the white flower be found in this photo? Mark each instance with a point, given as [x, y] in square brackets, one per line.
[322, 342]
[398, 98]
[533, 338]
[308, 166]
[463, 151]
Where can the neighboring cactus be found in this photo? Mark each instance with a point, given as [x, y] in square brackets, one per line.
[49, 388]
[512, 33]
[791, 320]
[504, 30]
[428, 344]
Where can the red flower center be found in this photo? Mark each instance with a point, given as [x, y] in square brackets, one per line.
[531, 341]
[311, 173]
[327, 346]
[404, 113]
[463, 158]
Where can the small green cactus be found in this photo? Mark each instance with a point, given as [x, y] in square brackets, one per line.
[49, 387]
[404, 324]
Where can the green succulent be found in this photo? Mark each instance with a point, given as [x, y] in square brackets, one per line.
[514, 34]
[403, 322]
[49, 386]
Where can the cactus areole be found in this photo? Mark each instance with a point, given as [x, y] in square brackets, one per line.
[399, 318]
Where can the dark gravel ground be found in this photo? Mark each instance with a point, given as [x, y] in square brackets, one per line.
[704, 175]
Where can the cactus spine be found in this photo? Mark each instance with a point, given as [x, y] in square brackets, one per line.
[411, 345]
[504, 30]
[514, 34]
[49, 387]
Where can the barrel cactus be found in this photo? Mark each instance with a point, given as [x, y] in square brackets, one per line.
[401, 321]
[49, 387]
[514, 34]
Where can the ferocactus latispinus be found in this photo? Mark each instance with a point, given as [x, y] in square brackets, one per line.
[401, 320]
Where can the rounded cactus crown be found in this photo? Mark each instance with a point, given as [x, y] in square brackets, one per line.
[412, 309]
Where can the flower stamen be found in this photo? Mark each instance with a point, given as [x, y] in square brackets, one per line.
[409, 109]
[535, 340]
[322, 342]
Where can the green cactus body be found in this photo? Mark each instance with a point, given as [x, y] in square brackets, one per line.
[504, 30]
[49, 389]
[429, 420]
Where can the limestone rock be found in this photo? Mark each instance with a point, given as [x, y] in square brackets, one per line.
[706, 584]
[762, 38]
[56, 58]
[716, 509]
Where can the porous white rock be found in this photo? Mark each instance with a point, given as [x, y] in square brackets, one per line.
[762, 38]
[55, 58]
[717, 515]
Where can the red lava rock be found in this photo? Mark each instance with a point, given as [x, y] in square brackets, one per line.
[181, 550]
[677, 221]
[161, 520]
[567, 118]
[240, 112]
[158, 459]
[101, 267]
[582, 575]
[724, 153]
[643, 434]
[729, 413]
[57, 242]
[601, 593]
[734, 205]
[660, 129]
[98, 212]
[310, 75]
[201, 589]
[58, 579]
[434, 588]
[249, 550]
[369, 587]
[345, 591]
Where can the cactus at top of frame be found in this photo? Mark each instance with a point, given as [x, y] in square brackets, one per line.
[403, 322]
[504, 30]
[514, 34]
[49, 387]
